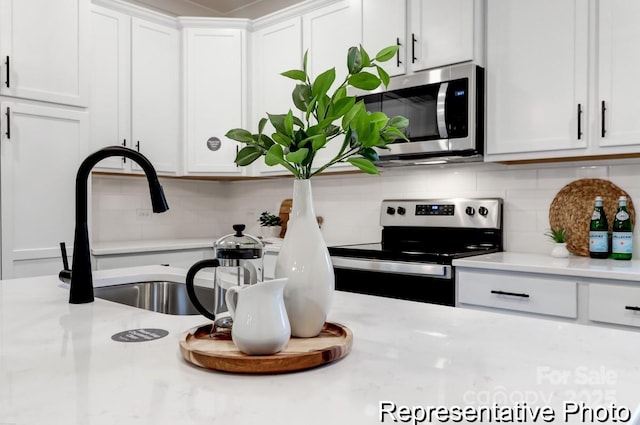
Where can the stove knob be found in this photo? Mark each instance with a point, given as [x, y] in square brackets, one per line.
[483, 211]
[401, 211]
[391, 210]
[470, 210]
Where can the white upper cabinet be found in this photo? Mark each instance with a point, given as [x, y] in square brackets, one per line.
[215, 69]
[544, 104]
[155, 93]
[135, 90]
[383, 25]
[444, 32]
[327, 35]
[43, 50]
[110, 93]
[276, 48]
[536, 76]
[618, 64]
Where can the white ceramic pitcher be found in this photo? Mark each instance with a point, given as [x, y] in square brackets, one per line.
[260, 322]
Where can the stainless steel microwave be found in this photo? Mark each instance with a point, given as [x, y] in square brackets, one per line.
[445, 108]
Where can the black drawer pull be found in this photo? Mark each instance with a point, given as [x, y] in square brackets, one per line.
[632, 308]
[413, 48]
[511, 294]
[398, 61]
[579, 121]
[8, 114]
[603, 110]
[7, 82]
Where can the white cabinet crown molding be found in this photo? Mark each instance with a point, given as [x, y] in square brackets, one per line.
[214, 23]
[138, 12]
[290, 12]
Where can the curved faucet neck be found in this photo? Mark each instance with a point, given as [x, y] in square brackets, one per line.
[81, 290]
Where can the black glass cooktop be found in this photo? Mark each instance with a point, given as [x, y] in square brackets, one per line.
[440, 256]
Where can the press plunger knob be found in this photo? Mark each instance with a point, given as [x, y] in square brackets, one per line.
[238, 228]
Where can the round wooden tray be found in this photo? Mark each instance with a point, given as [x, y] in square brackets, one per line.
[216, 351]
[572, 207]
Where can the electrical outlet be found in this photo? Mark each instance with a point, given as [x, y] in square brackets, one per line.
[143, 214]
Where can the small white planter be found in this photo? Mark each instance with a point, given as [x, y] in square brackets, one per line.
[270, 231]
[560, 251]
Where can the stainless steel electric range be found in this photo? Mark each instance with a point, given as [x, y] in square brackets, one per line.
[420, 239]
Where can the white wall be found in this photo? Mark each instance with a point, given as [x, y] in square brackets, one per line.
[350, 204]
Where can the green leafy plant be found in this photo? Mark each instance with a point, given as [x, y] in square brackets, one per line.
[326, 117]
[268, 219]
[558, 235]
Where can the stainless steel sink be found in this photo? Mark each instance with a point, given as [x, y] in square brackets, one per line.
[160, 296]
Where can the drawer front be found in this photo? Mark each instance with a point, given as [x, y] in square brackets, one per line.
[519, 292]
[614, 304]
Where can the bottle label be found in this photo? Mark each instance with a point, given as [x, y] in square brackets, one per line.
[598, 241]
[622, 242]
[622, 215]
[595, 215]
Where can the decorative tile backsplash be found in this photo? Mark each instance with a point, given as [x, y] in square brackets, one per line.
[349, 204]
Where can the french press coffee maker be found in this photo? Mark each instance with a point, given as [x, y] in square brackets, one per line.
[238, 261]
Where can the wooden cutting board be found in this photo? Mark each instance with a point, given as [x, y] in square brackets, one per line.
[285, 210]
[217, 351]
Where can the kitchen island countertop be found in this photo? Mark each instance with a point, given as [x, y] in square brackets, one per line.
[59, 365]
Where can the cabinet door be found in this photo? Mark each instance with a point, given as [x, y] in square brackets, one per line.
[327, 35]
[109, 103]
[442, 32]
[214, 88]
[155, 86]
[276, 49]
[39, 161]
[384, 24]
[536, 77]
[43, 50]
[619, 60]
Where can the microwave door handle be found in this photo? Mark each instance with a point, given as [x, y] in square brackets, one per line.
[440, 110]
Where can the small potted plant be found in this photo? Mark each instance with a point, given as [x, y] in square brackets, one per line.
[270, 225]
[559, 236]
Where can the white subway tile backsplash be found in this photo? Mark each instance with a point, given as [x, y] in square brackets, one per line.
[349, 204]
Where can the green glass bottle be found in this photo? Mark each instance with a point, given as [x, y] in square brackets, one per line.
[622, 238]
[599, 232]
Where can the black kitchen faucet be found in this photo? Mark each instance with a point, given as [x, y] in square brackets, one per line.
[81, 290]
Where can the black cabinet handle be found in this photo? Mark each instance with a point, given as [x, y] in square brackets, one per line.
[413, 48]
[603, 129]
[632, 308]
[138, 145]
[579, 121]
[124, 144]
[511, 294]
[8, 114]
[7, 82]
[398, 61]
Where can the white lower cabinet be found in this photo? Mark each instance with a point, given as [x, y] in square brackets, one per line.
[585, 300]
[538, 294]
[614, 304]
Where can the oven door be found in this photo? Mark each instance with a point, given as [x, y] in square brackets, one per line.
[429, 283]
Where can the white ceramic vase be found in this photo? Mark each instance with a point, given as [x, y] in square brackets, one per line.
[304, 259]
[560, 250]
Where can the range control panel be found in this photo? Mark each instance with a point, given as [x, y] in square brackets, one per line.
[456, 212]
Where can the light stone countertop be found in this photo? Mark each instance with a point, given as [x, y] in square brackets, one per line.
[58, 364]
[572, 266]
[155, 245]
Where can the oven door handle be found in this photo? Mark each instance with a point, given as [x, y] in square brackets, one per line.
[396, 267]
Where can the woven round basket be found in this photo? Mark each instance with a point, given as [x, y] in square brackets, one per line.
[572, 207]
